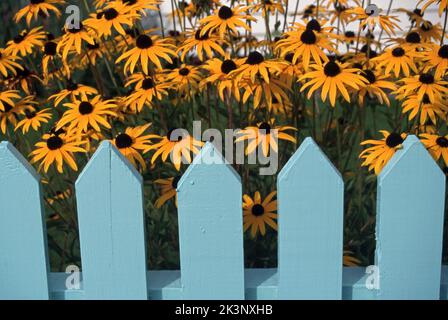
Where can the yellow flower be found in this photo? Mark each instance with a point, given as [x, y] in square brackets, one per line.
[258, 213]
[377, 156]
[33, 119]
[436, 145]
[73, 39]
[398, 59]
[147, 49]
[74, 91]
[87, 113]
[133, 141]
[226, 19]
[205, 42]
[8, 64]
[57, 149]
[36, 8]
[265, 135]
[25, 42]
[425, 83]
[436, 58]
[332, 78]
[168, 190]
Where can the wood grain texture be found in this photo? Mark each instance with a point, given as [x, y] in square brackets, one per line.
[310, 197]
[210, 229]
[410, 211]
[111, 226]
[23, 244]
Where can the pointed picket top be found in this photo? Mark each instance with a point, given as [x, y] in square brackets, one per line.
[111, 226]
[211, 229]
[409, 230]
[23, 245]
[310, 199]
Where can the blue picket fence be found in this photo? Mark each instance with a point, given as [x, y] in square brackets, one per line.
[409, 232]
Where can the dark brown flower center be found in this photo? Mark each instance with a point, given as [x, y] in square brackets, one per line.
[50, 48]
[266, 127]
[349, 34]
[442, 142]
[443, 51]
[254, 58]
[175, 182]
[225, 13]
[54, 143]
[37, 1]
[398, 52]
[331, 69]
[110, 14]
[313, 25]
[73, 29]
[30, 114]
[173, 137]
[71, 86]
[184, 72]
[413, 37]
[148, 83]
[308, 37]
[228, 66]
[257, 210]
[18, 39]
[426, 78]
[393, 140]
[144, 41]
[123, 140]
[200, 37]
[426, 26]
[289, 57]
[85, 108]
[369, 75]
[418, 12]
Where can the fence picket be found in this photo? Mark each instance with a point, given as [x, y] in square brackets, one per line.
[410, 211]
[310, 197]
[210, 229]
[23, 245]
[111, 226]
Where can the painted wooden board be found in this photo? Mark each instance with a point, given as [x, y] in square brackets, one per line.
[410, 210]
[111, 226]
[210, 229]
[23, 245]
[310, 197]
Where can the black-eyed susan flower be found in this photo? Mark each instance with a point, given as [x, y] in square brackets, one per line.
[257, 213]
[400, 60]
[24, 79]
[268, 7]
[57, 149]
[87, 113]
[265, 135]
[226, 19]
[423, 83]
[203, 43]
[375, 87]
[436, 145]
[429, 31]
[219, 71]
[36, 8]
[256, 65]
[332, 78]
[146, 90]
[425, 108]
[377, 156]
[26, 41]
[33, 119]
[10, 112]
[307, 44]
[370, 19]
[185, 79]
[116, 16]
[275, 89]
[178, 146]
[7, 98]
[436, 58]
[8, 63]
[167, 189]
[147, 49]
[73, 91]
[132, 142]
[73, 40]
